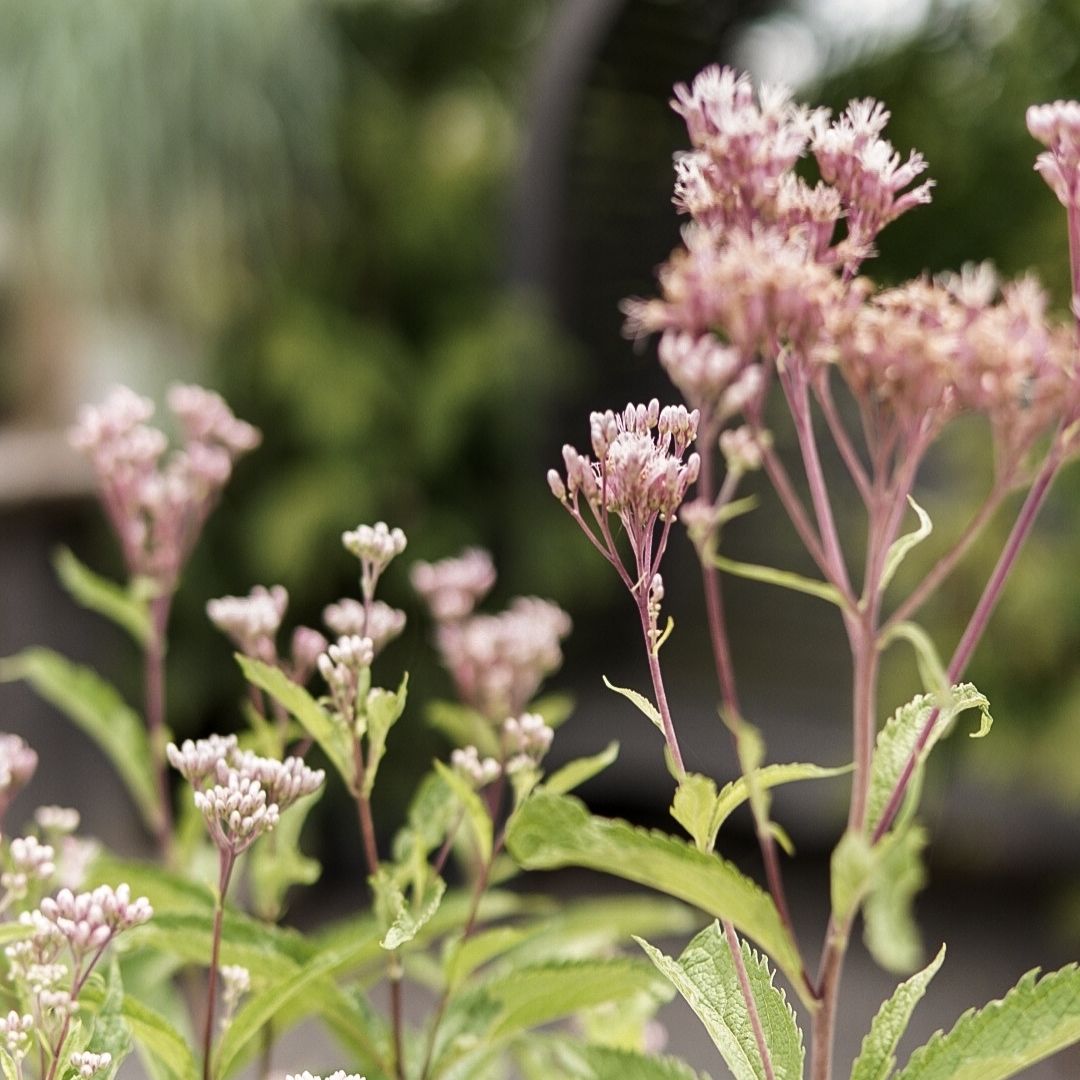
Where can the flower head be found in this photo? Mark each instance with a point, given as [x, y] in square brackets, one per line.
[378, 622]
[376, 546]
[156, 505]
[18, 763]
[1057, 127]
[240, 794]
[251, 622]
[88, 1064]
[453, 587]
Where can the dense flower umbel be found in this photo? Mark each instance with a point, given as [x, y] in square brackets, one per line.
[239, 794]
[1057, 127]
[251, 622]
[376, 546]
[378, 622]
[453, 587]
[498, 662]
[158, 506]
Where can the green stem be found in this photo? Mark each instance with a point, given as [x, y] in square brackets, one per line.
[227, 860]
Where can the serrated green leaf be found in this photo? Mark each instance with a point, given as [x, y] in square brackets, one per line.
[465, 956]
[706, 976]
[694, 807]
[261, 1008]
[574, 773]
[638, 700]
[277, 863]
[890, 932]
[851, 870]
[902, 545]
[734, 794]
[897, 740]
[532, 996]
[931, 669]
[475, 812]
[405, 919]
[877, 1058]
[128, 607]
[99, 710]
[785, 579]
[433, 812]
[334, 741]
[577, 1061]
[463, 726]
[552, 831]
[383, 710]
[1035, 1019]
[154, 1033]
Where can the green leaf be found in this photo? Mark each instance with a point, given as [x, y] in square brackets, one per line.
[642, 702]
[694, 807]
[532, 996]
[555, 709]
[433, 812]
[128, 607]
[851, 870]
[900, 547]
[786, 579]
[475, 811]
[98, 709]
[167, 892]
[7, 1065]
[877, 1058]
[734, 794]
[403, 919]
[259, 1009]
[464, 727]
[1035, 1019]
[154, 1033]
[897, 740]
[706, 976]
[578, 1061]
[890, 932]
[383, 710]
[575, 773]
[552, 831]
[277, 863]
[334, 741]
[931, 669]
[465, 956]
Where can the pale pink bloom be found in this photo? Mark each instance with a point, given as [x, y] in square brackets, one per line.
[453, 587]
[498, 662]
[251, 622]
[18, 763]
[352, 617]
[88, 1064]
[1057, 127]
[479, 772]
[156, 505]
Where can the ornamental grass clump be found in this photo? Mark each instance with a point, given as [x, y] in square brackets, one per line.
[764, 314]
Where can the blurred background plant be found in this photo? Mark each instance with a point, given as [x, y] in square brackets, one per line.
[395, 232]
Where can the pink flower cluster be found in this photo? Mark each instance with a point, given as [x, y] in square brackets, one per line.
[497, 662]
[240, 794]
[158, 505]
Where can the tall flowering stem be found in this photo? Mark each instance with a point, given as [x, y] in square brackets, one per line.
[157, 504]
[767, 291]
[241, 796]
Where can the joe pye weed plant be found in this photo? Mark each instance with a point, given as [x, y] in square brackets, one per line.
[447, 973]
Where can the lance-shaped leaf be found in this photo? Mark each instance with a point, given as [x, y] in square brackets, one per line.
[578, 1061]
[785, 579]
[156, 1037]
[877, 1058]
[890, 932]
[99, 710]
[404, 918]
[897, 740]
[640, 701]
[575, 773]
[128, 607]
[475, 812]
[383, 709]
[463, 726]
[334, 741]
[898, 550]
[277, 863]
[552, 831]
[1035, 1019]
[885, 878]
[706, 976]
